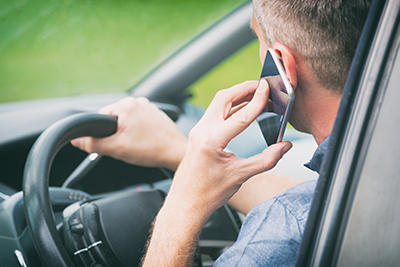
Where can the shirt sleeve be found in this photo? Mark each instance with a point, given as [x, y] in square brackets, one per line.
[270, 236]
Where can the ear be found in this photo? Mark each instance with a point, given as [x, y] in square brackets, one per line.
[287, 57]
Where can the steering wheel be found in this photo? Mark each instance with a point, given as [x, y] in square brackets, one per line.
[38, 210]
[91, 234]
[104, 231]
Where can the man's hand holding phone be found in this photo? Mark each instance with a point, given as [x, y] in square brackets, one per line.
[208, 175]
[274, 117]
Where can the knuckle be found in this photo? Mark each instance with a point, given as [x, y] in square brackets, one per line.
[202, 141]
[126, 105]
[249, 84]
[269, 164]
[128, 100]
[205, 146]
[107, 109]
[142, 100]
[119, 106]
[242, 117]
[153, 106]
[221, 93]
[104, 110]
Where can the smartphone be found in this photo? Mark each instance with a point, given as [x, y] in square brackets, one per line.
[274, 117]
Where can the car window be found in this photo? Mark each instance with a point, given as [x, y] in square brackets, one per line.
[66, 48]
[243, 65]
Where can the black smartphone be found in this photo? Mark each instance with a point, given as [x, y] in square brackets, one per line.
[274, 117]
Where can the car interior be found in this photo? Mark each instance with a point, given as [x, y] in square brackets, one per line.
[60, 206]
[75, 177]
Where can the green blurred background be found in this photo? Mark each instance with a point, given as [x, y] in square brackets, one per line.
[58, 48]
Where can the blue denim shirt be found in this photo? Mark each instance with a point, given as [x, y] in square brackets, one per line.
[316, 161]
[272, 231]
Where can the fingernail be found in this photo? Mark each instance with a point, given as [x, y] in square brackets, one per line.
[286, 148]
[263, 84]
[77, 142]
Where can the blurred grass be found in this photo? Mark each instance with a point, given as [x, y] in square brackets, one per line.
[242, 66]
[55, 48]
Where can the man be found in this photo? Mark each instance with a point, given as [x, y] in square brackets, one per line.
[315, 41]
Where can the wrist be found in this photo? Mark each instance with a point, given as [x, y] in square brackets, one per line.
[175, 155]
[190, 213]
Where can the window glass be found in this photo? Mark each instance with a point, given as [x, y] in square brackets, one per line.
[242, 66]
[55, 48]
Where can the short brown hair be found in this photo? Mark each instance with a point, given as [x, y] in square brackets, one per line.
[324, 32]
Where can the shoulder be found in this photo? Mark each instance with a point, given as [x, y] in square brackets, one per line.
[272, 231]
[296, 200]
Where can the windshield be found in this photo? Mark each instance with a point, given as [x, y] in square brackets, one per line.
[68, 47]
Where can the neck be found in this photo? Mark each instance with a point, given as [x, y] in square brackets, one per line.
[315, 108]
[322, 115]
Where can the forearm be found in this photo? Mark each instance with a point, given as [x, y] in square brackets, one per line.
[174, 157]
[260, 188]
[175, 236]
[208, 176]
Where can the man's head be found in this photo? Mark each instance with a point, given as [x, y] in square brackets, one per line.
[316, 40]
[324, 33]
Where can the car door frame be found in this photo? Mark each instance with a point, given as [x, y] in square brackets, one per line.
[349, 143]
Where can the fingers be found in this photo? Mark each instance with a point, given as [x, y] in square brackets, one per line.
[248, 98]
[145, 136]
[237, 108]
[88, 144]
[120, 108]
[77, 143]
[244, 116]
[83, 143]
[123, 105]
[224, 99]
[225, 122]
[264, 161]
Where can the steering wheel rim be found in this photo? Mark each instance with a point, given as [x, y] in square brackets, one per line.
[38, 210]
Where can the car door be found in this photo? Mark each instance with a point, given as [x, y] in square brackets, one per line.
[355, 215]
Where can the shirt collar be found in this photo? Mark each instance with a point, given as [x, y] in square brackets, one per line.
[315, 163]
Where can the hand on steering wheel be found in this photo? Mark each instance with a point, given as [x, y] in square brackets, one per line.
[145, 136]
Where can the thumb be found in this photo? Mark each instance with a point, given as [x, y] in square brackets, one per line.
[84, 143]
[268, 158]
[77, 143]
